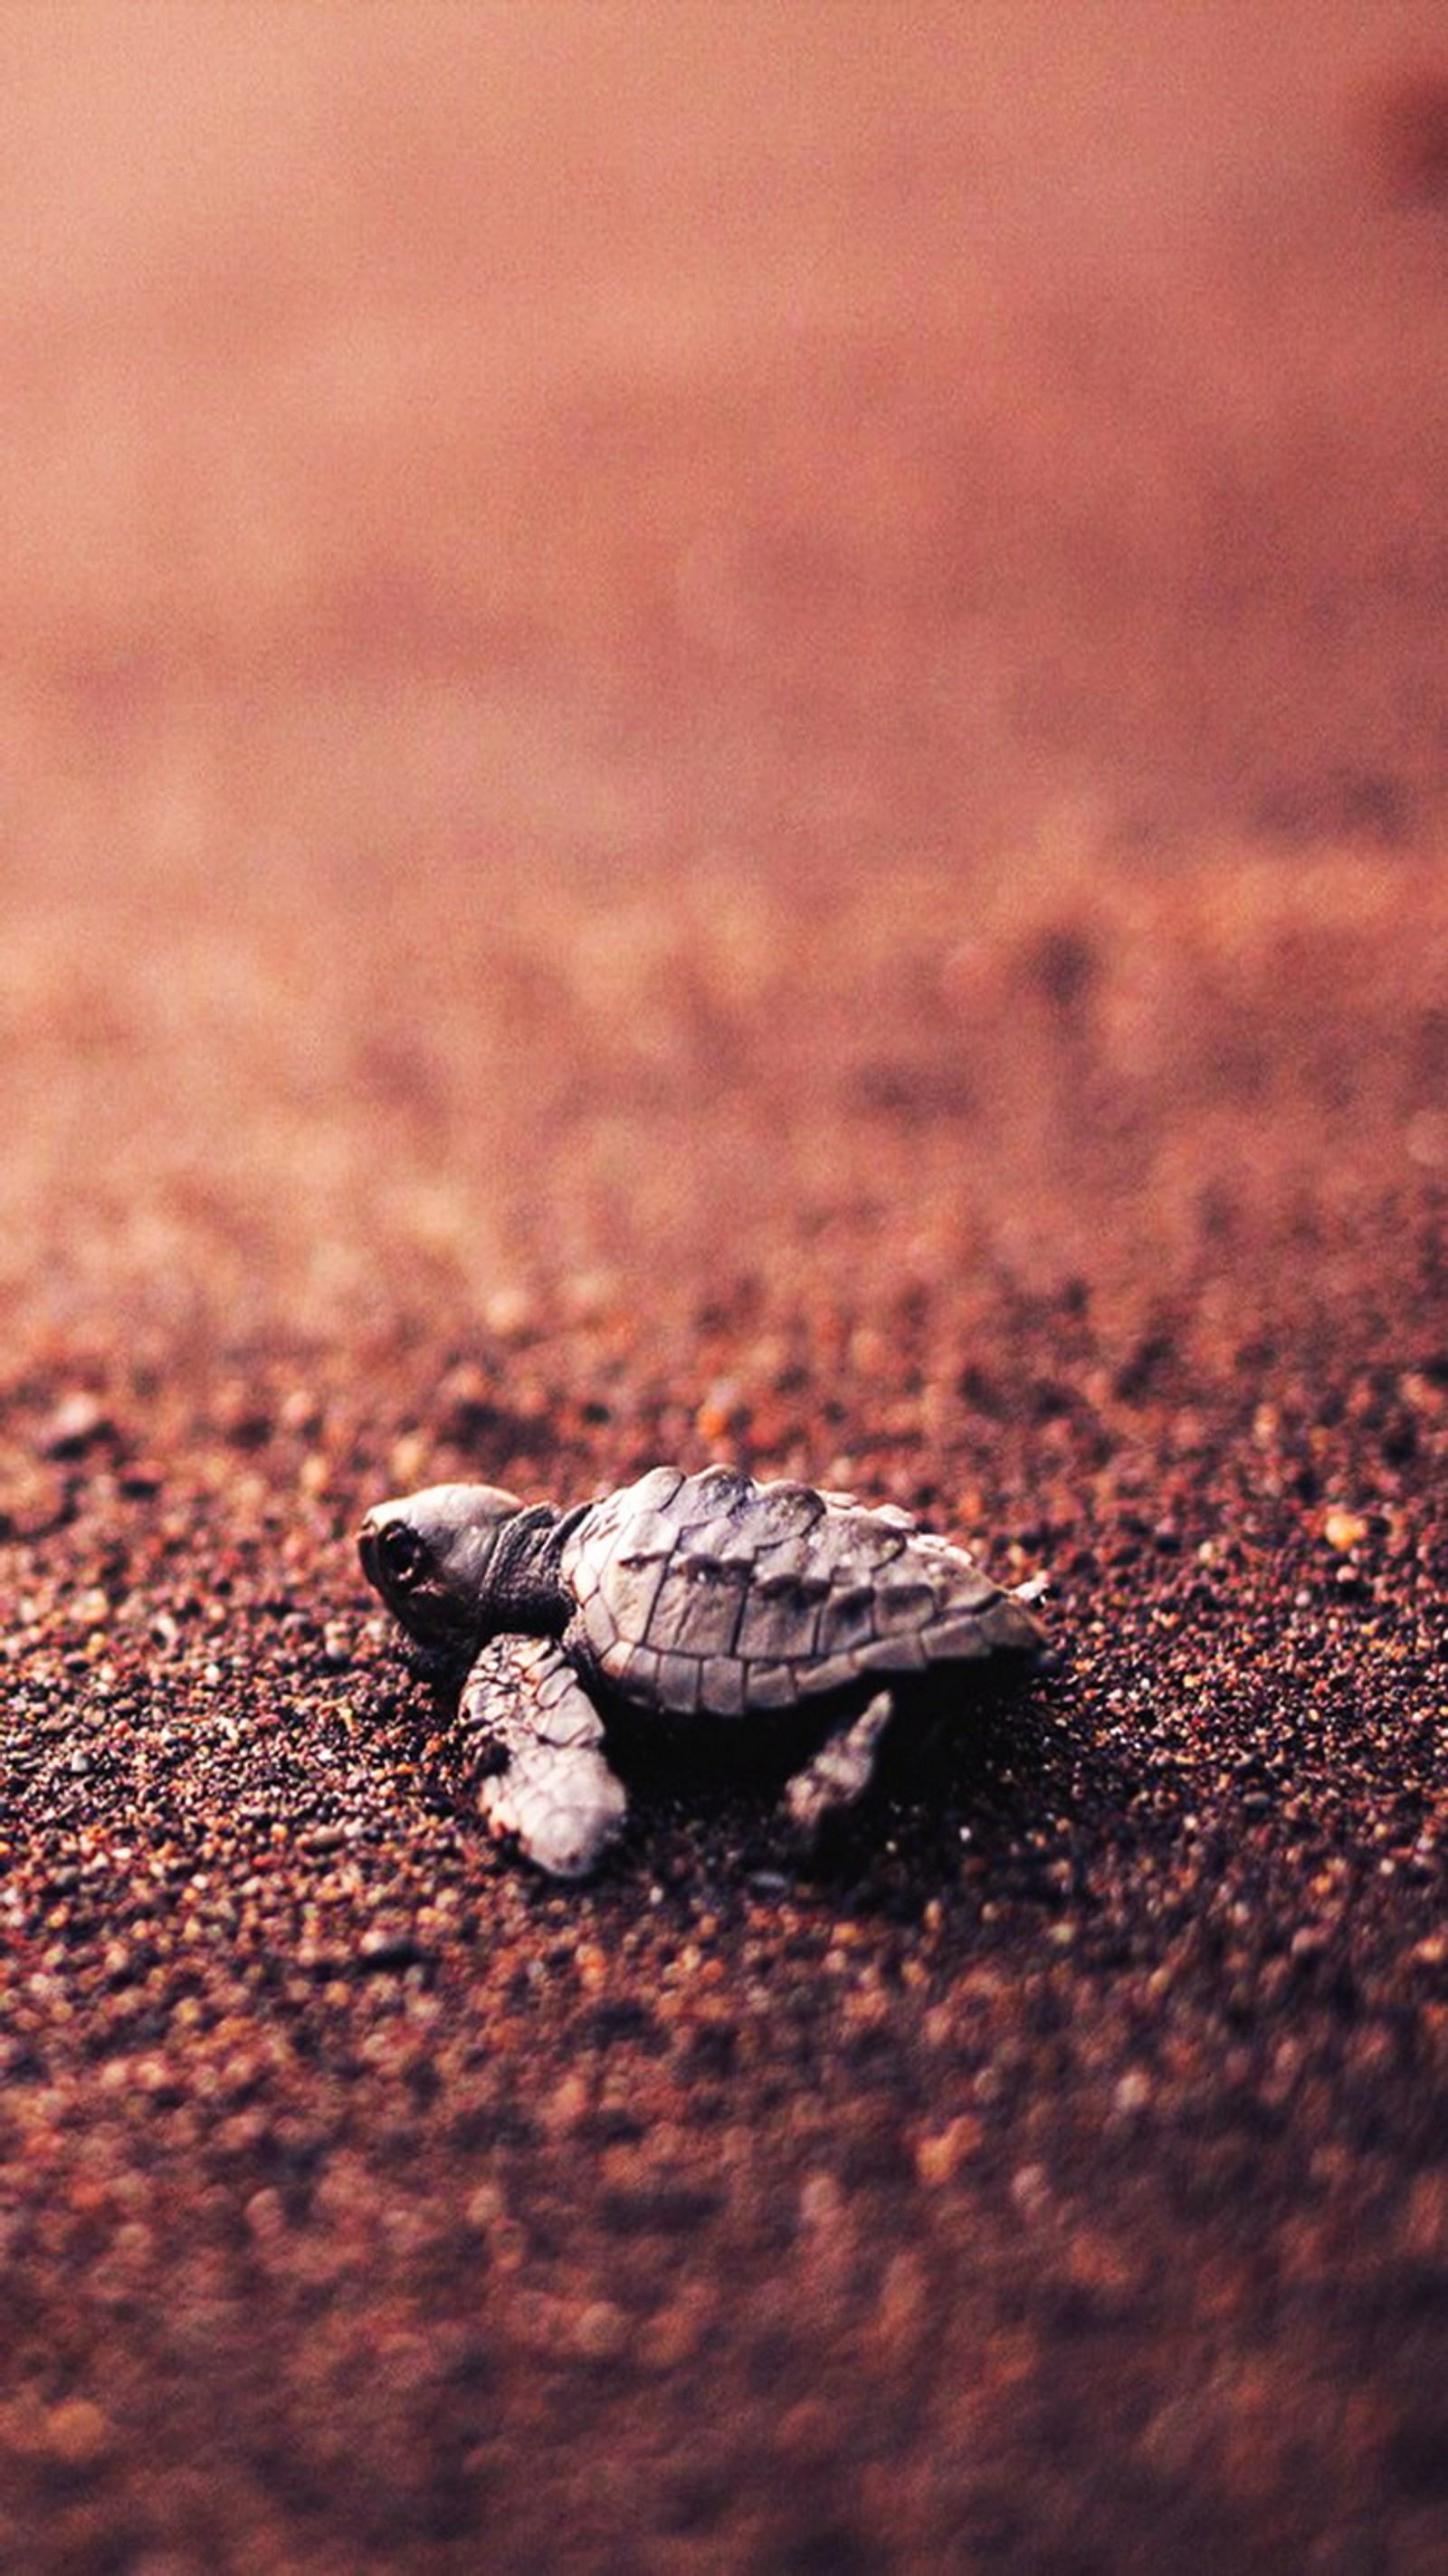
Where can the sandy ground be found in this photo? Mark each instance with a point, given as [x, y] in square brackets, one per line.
[723, 732]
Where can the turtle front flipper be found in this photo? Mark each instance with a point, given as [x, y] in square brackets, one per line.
[543, 1775]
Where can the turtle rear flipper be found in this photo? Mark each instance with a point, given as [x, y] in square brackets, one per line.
[544, 1776]
[838, 1776]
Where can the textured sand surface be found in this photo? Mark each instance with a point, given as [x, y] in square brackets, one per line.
[723, 733]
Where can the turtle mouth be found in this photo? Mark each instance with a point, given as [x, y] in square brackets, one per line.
[403, 1605]
[367, 1550]
[394, 1556]
[433, 1622]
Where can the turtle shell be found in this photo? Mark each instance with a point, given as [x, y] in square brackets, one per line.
[714, 1594]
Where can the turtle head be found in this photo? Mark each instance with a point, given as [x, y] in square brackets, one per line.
[432, 1557]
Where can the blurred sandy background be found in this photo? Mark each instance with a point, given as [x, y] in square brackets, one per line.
[971, 408]
[671, 527]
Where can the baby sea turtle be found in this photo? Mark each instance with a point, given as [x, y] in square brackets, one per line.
[701, 1600]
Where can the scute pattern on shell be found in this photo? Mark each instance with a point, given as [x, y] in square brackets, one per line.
[711, 1593]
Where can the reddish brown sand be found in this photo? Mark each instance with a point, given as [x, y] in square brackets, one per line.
[725, 734]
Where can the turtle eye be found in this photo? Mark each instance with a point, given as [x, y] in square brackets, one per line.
[401, 1554]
